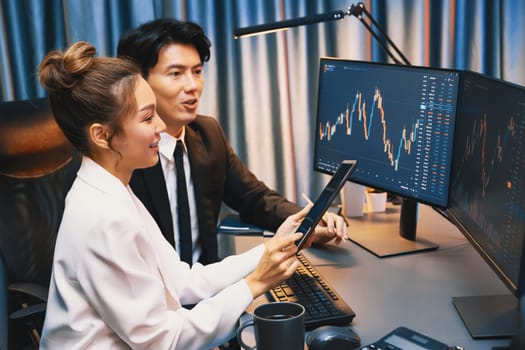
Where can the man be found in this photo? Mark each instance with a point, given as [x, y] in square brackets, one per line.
[171, 55]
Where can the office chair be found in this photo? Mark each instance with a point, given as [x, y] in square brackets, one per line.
[37, 168]
[3, 306]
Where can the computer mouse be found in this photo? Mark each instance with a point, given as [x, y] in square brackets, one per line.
[333, 338]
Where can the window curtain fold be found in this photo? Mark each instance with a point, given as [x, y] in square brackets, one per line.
[263, 89]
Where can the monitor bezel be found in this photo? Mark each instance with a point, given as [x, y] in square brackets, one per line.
[516, 289]
[401, 67]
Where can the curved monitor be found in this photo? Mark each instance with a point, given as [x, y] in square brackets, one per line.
[396, 121]
[487, 194]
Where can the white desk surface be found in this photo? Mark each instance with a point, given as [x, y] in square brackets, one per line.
[413, 290]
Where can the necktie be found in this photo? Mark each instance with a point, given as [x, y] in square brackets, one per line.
[183, 210]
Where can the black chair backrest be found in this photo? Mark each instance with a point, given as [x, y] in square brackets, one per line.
[37, 168]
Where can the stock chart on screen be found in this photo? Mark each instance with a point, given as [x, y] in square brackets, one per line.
[487, 195]
[396, 121]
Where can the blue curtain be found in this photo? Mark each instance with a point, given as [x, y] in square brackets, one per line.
[263, 89]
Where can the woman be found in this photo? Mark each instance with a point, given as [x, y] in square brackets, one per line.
[116, 282]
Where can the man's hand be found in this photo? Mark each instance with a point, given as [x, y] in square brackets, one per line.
[331, 227]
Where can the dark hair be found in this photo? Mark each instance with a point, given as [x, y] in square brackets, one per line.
[84, 89]
[143, 44]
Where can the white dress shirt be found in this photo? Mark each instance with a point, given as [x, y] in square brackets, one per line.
[166, 148]
[118, 284]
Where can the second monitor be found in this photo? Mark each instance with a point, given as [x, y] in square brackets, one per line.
[487, 196]
[398, 123]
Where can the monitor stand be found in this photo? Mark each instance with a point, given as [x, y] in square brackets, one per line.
[490, 316]
[390, 233]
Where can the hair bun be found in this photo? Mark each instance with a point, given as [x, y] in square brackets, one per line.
[61, 70]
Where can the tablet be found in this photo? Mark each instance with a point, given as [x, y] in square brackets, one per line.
[324, 200]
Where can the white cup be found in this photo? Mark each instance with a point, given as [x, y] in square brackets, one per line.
[376, 201]
[353, 199]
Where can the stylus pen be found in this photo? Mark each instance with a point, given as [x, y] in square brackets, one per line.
[325, 218]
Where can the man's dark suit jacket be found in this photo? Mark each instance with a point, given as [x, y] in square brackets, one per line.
[218, 176]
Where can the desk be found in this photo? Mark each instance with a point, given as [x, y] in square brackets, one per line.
[412, 290]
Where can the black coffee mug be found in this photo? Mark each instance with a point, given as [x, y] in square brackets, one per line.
[278, 325]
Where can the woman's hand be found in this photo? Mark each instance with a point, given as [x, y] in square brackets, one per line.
[279, 261]
[292, 222]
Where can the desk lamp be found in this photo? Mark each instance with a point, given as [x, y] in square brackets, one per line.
[408, 216]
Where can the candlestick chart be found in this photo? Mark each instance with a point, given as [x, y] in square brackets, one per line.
[397, 122]
[358, 110]
[487, 186]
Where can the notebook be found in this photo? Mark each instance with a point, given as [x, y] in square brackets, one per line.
[324, 200]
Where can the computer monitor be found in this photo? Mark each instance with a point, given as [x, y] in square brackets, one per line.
[398, 123]
[487, 195]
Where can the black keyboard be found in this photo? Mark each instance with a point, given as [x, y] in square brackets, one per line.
[322, 303]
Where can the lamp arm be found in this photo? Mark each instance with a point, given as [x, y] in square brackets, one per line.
[357, 11]
[354, 10]
[289, 23]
